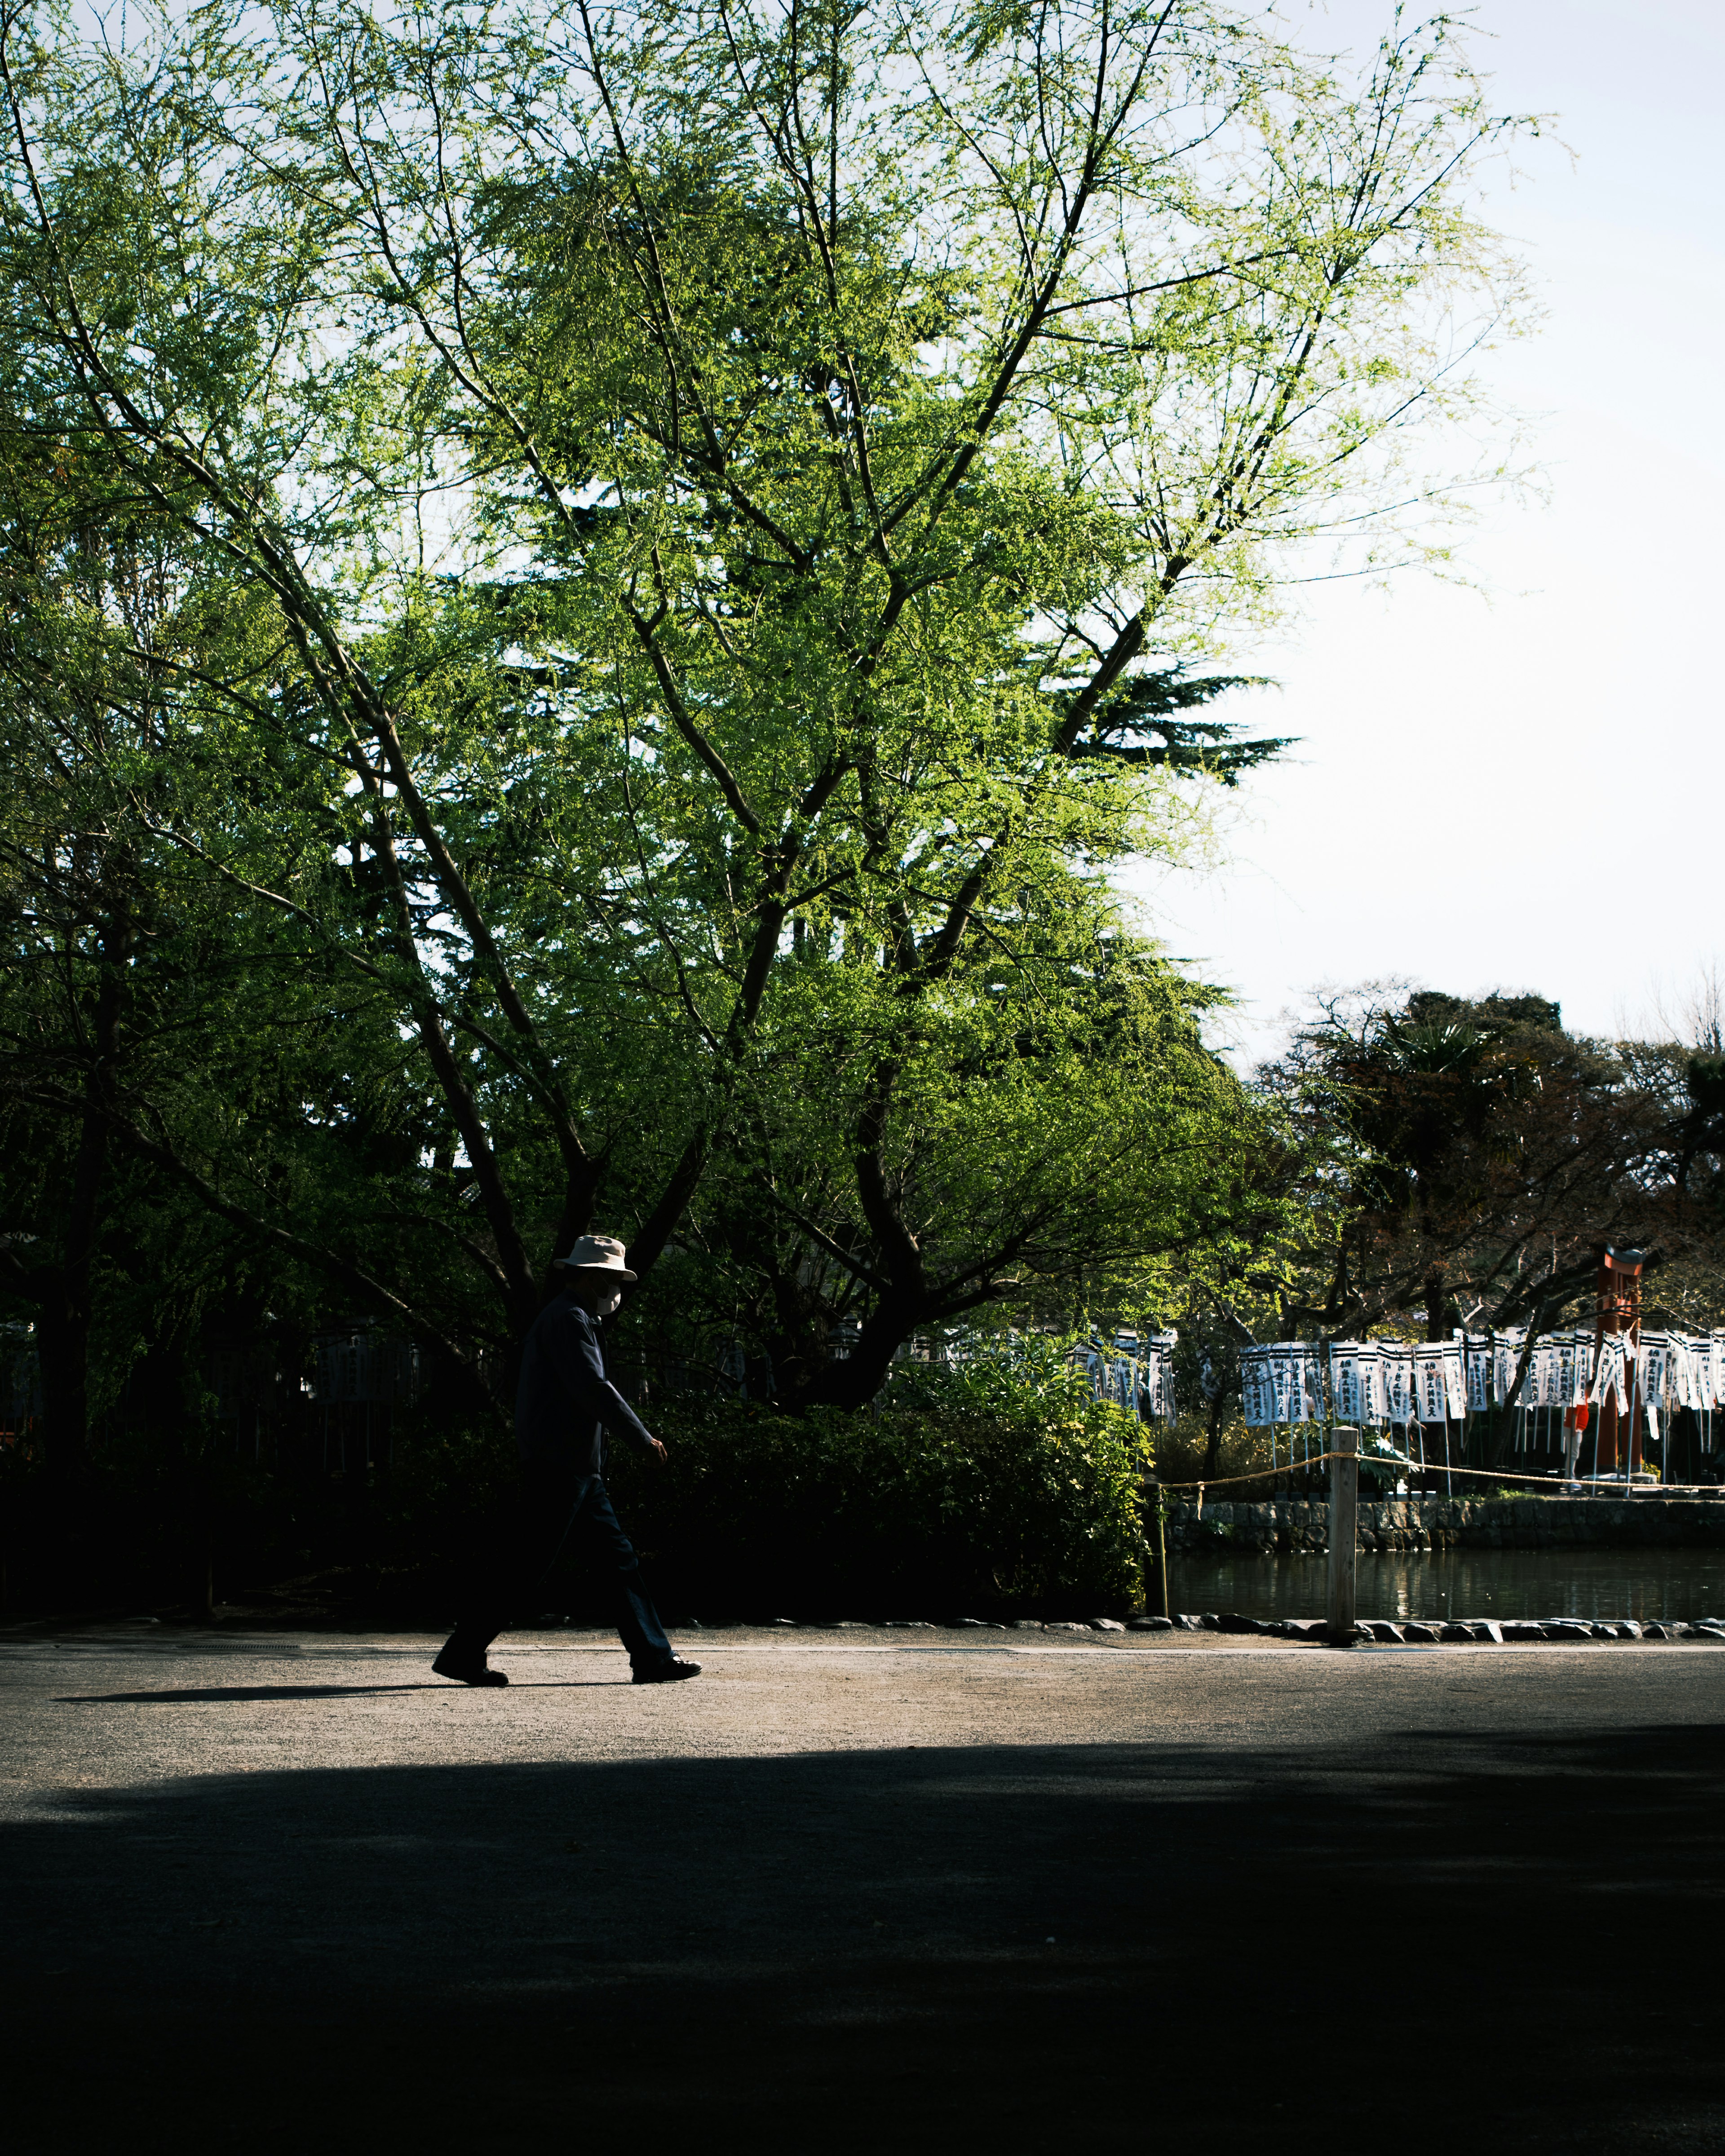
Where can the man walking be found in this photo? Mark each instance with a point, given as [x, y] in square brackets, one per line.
[564, 1404]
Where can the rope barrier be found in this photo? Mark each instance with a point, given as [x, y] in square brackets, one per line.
[1381, 1460]
[1257, 1474]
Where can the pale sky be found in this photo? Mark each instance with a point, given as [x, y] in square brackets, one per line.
[1520, 789]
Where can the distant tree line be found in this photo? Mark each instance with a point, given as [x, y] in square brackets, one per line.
[1459, 1163]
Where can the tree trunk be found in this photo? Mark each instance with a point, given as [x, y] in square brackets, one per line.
[853, 1382]
[204, 1433]
[1213, 1447]
[1436, 1299]
[62, 1296]
[63, 1344]
[61, 1293]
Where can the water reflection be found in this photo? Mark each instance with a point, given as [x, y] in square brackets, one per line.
[1631, 1582]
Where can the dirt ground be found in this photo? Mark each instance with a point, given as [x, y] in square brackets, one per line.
[859, 1891]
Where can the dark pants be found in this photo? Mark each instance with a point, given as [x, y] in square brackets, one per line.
[557, 1508]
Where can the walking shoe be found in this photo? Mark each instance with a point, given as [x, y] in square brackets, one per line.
[670, 1672]
[467, 1670]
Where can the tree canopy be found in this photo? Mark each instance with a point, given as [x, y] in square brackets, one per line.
[1467, 1158]
[597, 599]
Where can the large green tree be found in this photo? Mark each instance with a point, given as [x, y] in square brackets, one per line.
[1059, 1135]
[685, 526]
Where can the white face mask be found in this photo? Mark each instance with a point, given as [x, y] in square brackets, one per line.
[609, 1302]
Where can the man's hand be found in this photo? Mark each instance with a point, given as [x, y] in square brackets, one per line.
[657, 1448]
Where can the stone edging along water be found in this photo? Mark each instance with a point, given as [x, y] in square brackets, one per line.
[1309, 1631]
[1313, 1631]
[1288, 1526]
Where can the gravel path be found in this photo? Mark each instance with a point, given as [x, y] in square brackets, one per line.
[860, 1891]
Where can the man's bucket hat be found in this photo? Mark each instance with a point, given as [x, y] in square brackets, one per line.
[597, 1254]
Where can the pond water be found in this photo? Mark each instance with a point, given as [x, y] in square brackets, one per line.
[1684, 1584]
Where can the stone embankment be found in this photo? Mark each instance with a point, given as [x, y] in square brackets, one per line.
[1289, 1526]
[1461, 1631]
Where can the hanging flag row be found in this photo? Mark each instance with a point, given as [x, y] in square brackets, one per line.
[1386, 1381]
[1354, 1381]
[1565, 1370]
[1134, 1373]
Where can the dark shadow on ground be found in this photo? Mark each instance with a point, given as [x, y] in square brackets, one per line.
[200, 1694]
[211, 1695]
[1427, 1941]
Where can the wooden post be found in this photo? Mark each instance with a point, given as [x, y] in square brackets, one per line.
[1156, 1580]
[1619, 1306]
[1344, 1521]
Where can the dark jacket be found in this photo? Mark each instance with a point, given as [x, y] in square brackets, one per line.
[564, 1403]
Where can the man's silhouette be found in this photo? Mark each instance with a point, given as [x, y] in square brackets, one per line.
[564, 1405]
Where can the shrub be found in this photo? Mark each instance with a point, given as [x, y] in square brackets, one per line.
[990, 1490]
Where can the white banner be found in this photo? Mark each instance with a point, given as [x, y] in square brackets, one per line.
[1159, 1375]
[1478, 1354]
[1505, 1362]
[1610, 1375]
[1586, 1357]
[1398, 1383]
[1281, 1382]
[1432, 1394]
[1654, 1363]
[1257, 1393]
[1357, 1382]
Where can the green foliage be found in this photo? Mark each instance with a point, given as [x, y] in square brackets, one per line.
[1183, 1455]
[595, 607]
[973, 1493]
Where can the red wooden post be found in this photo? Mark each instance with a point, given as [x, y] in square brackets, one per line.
[1617, 1309]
